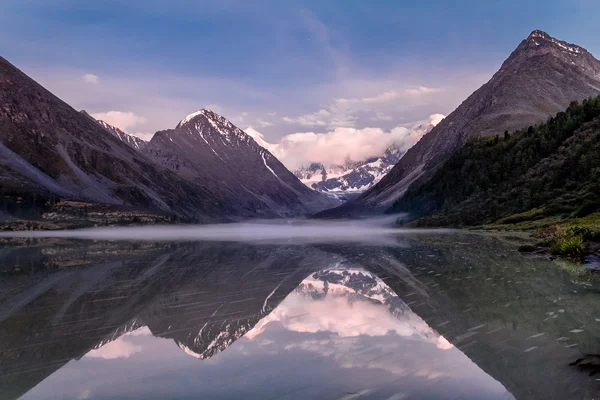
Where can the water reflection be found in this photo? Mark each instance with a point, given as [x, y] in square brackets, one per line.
[342, 333]
[449, 316]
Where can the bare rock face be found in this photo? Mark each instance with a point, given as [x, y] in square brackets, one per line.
[49, 149]
[207, 149]
[540, 78]
[130, 140]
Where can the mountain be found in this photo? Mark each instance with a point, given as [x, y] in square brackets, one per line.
[352, 178]
[48, 151]
[209, 150]
[130, 140]
[347, 181]
[548, 170]
[540, 78]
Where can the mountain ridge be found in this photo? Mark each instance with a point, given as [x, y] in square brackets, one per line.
[206, 148]
[539, 78]
[50, 152]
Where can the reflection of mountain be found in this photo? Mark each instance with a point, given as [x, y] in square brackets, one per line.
[352, 283]
[477, 292]
[202, 296]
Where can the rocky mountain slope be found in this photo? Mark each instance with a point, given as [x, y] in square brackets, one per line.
[548, 170]
[49, 151]
[209, 150]
[541, 77]
[133, 141]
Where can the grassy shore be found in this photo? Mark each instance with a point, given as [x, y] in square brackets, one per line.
[565, 236]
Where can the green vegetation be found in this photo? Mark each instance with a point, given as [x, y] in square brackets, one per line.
[567, 245]
[535, 177]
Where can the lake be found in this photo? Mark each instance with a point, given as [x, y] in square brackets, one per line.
[291, 311]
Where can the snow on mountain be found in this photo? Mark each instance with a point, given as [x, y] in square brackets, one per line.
[132, 141]
[209, 150]
[354, 177]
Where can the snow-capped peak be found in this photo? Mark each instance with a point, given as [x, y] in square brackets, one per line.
[191, 116]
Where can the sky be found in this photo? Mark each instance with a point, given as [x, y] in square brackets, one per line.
[282, 67]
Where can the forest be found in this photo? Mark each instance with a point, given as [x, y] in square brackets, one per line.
[545, 170]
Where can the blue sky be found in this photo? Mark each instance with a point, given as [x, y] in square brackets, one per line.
[280, 66]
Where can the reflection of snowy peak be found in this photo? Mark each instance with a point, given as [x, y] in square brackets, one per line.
[212, 340]
[354, 284]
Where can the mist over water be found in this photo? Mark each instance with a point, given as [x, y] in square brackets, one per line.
[379, 230]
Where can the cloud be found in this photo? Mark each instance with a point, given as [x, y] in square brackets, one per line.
[422, 90]
[143, 135]
[119, 348]
[380, 116]
[216, 108]
[121, 119]
[90, 78]
[382, 98]
[85, 394]
[314, 119]
[262, 123]
[341, 144]
[122, 347]
[355, 111]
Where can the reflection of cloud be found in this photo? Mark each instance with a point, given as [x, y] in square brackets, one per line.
[120, 347]
[443, 344]
[343, 313]
[85, 394]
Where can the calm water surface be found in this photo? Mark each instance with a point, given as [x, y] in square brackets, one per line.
[418, 316]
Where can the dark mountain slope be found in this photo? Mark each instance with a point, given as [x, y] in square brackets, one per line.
[50, 151]
[48, 148]
[551, 169]
[541, 77]
[133, 141]
[209, 150]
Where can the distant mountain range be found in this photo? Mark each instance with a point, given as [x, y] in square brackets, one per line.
[540, 78]
[354, 177]
[205, 169]
[346, 181]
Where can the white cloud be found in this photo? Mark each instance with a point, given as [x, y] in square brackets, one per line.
[143, 135]
[314, 119]
[262, 123]
[350, 112]
[341, 144]
[422, 90]
[119, 348]
[122, 347]
[90, 78]
[215, 108]
[121, 119]
[380, 116]
[85, 394]
[382, 98]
